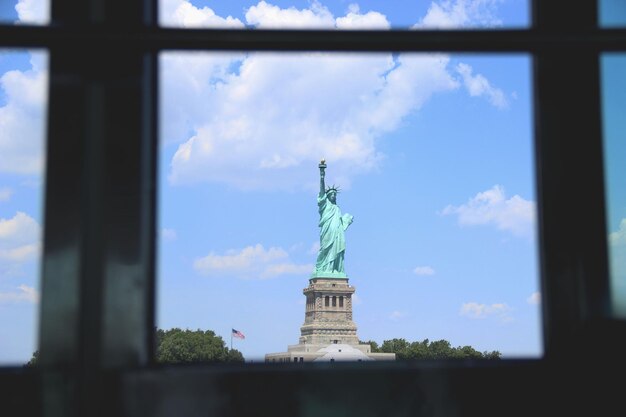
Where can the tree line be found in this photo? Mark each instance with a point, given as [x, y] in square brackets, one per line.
[185, 346]
[193, 346]
[439, 349]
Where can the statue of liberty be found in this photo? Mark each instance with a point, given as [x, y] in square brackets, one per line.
[332, 227]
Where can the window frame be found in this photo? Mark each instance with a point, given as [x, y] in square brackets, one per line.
[98, 278]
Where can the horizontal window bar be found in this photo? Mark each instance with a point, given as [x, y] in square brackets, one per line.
[315, 40]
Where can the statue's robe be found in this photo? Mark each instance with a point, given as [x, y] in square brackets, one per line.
[332, 238]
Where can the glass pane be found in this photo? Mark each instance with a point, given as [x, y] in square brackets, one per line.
[613, 67]
[30, 12]
[339, 14]
[612, 13]
[432, 154]
[23, 100]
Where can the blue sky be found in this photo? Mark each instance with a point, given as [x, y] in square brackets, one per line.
[23, 82]
[433, 154]
[613, 68]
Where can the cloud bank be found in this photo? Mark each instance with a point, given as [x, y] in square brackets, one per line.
[258, 120]
[534, 298]
[181, 13]
[23, 293]
[424, 270]
[460, 13]
[475, 310]
[33, 11]
[19, 238]
[252, 262]
[478, 86]
[515, 215]
[22, 118]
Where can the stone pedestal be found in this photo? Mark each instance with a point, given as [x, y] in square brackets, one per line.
[328, 333]
[328, 313]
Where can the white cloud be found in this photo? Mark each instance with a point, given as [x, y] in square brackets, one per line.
[33, 11]
[20, 229]
[21, 253]
[515, 215]
[5, 194]
[618, 238]
[534, 298]
[397, 315]
[424, 270]
[181, 13]
[477, 86]
[355, 20]
[235, 260]
[235, 115]
[22, 118]
[24, 293]
[168, 235]
[19, 240]
[250, 262]
[268, 16]
[245, 134]
[482, 311]
[261, 120]
[356, 300]
[449, 14]
[188, 82]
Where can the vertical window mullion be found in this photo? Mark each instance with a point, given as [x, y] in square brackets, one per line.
[98, 260]
[570, 183]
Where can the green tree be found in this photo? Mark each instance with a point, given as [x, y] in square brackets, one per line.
[185, 346]
[373, 345]
[398, 346]
[181, 346]
[34, 360]
[439, 349]
[491, 355]
[470, 352]
[234, 356]
[419, 350]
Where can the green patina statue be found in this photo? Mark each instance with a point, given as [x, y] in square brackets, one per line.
[332, 227]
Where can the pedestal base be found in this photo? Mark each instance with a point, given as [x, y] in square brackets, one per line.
[328, 333]
[328, 316]
[329, 353]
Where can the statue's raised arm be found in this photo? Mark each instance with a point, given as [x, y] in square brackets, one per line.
[322, 167]
[330, 259]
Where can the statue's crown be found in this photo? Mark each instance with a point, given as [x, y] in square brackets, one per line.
[333, 188]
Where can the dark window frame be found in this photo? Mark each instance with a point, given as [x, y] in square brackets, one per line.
[97, 307]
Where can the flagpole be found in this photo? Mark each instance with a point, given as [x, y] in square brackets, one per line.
[231, 338]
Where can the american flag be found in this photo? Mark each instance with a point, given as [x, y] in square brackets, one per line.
[238, 334]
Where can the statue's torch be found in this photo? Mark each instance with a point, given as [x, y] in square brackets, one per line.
[322, 166]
